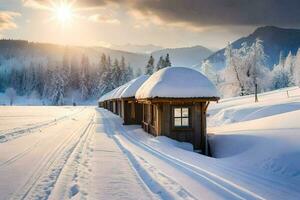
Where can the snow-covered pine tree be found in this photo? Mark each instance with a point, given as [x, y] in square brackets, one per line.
[297, 68]
[66, 68]
[167, 62]
[47, 82]
[281, 77]
[74, 73]
[289, 65]
[116, 74]
[130, 74]
[123, 70]
[160, 64]
[83, 78]
[57, 90]
[150, 66]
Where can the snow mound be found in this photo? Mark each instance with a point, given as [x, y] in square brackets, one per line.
[133, 86]
[177, 82]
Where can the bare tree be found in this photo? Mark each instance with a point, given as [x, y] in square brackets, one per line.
[11, 95]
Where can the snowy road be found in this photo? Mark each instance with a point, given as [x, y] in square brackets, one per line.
[86, 153]
[64, 158]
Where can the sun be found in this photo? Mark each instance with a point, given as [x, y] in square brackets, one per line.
[63, 12]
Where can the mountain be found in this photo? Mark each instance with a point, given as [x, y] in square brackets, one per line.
[186, 56]
[20, 52]
[276, 41]
[23, 53]
[144, 49]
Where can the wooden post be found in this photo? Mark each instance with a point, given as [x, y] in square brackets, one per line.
[197, 139]
[204, 145]
[159, 119]
[256, 98]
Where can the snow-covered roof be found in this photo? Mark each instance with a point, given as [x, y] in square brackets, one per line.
[106, 96]
[177, 82]
[133, 86]
[127, 90]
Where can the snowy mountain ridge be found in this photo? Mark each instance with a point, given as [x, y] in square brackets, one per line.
[277, 42]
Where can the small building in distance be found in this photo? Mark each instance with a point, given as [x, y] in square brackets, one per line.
[122, 102]
[174, 102]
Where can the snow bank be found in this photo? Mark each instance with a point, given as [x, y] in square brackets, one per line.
[264, 135]
[177, 82]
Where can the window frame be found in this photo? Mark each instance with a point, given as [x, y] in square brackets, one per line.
[181, 117]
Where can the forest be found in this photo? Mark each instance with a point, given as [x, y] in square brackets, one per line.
[69, 79]
[246, 71]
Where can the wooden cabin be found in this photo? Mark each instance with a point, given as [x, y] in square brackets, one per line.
[174, 103]
[132, 110]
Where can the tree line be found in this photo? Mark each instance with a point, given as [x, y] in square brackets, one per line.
[162, 63]
[74, 78]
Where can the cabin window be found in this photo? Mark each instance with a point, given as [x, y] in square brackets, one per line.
[181, 117]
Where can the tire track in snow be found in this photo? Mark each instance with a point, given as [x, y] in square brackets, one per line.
[236, 191]
[21, 154]
[75, 173]
[41, 183]
[170, 189]
[8, 136]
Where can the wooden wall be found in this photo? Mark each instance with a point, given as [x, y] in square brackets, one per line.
[132, 113]
[164, 124]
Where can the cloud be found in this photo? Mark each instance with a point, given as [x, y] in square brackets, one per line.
[198, 14]
[7, 20]
[37, 4]
[103, 19]
[80, 4]
[226, 12]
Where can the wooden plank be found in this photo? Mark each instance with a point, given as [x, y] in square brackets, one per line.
[204, 146]
[197, 123]
[159, 119]
[177, 100]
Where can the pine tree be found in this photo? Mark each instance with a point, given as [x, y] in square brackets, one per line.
[297, 68]
[66, 68]
[57, 90]
[47, 82]
[130, 74]
[150, 66]
[123, 70]
[167, 62]
[84, 79]
[160, 64]
[281, 77]
[289, 65]
[74, 73]
[116, 74]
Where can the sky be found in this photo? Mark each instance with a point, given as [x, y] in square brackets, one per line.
[165, 23]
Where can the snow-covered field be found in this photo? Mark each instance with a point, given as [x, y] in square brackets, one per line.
[86, 153]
